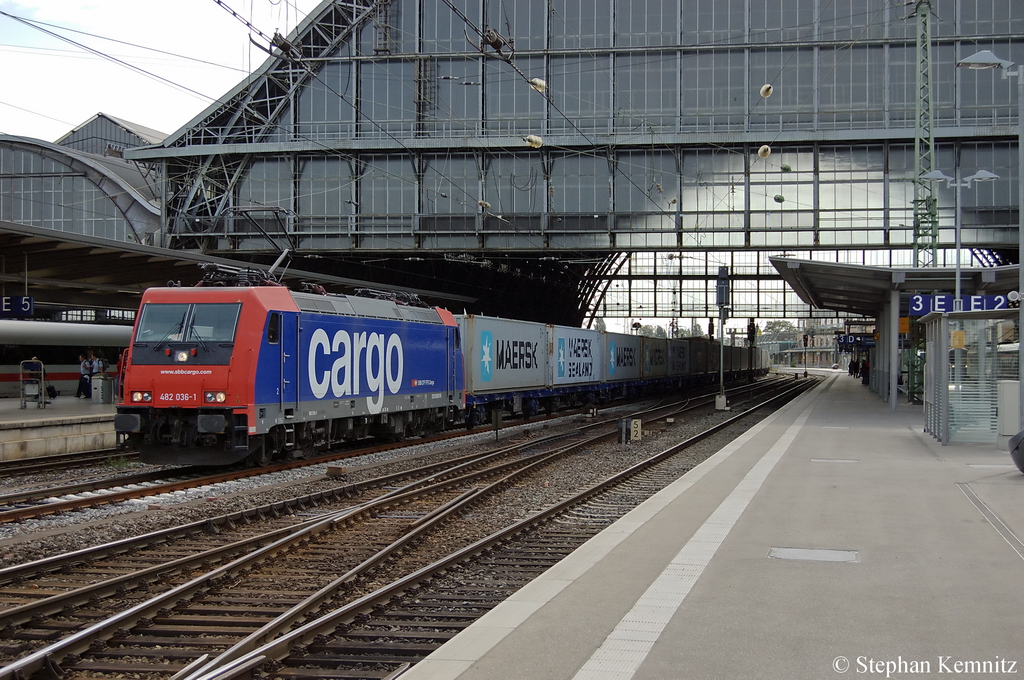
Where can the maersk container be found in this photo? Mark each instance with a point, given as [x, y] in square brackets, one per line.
[714, 356]
[623, 357]
[679, 357]
[700, 349]
[655, 357]
[578, 356]
[502, 355]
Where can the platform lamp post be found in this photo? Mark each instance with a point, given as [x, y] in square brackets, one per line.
[957, 183]
[987, 60]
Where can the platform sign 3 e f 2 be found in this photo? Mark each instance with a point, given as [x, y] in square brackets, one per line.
[926, 304]
[16, 305]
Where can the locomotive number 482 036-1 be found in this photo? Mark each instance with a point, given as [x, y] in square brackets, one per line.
[172, 396]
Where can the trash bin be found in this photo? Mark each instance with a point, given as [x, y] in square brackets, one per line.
[102, 389]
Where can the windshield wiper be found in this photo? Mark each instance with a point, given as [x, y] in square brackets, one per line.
[193, 332]
[177, 329]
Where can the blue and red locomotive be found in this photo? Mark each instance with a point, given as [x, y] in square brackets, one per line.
[220, 374]
[215, 375]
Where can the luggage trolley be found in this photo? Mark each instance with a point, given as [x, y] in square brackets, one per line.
[33, 383]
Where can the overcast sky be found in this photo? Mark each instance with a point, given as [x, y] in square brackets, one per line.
[49, 86]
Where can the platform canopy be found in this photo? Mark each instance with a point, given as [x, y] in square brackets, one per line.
[865, 290]
[70, 270]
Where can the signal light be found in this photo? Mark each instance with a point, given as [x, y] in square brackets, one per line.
[181, 357]
[215, 397]
[141, 397]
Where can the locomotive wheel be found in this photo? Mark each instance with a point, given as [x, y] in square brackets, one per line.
[261, 455]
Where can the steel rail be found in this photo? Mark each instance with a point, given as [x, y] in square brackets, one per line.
[81, 640]
[279, 637]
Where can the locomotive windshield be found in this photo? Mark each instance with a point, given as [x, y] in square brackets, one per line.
[201, 322]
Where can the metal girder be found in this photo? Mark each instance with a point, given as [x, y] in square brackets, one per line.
[926, 218]
[202, 189]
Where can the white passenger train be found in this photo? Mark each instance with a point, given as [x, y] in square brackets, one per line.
[57, 345]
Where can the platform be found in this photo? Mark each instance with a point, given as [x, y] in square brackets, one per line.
[64, 425]
[833, 539]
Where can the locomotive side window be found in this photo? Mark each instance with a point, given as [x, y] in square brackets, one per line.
[214, 321]
[274, 328]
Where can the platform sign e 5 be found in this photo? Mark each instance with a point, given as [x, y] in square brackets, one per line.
[926, 304]
[16, 305]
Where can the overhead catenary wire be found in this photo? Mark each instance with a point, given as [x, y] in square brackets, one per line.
[456, 182]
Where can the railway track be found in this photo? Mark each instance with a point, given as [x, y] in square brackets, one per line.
[64, 461]
[268, 590]
[53, 500]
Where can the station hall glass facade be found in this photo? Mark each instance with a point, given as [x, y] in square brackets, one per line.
[616, 137]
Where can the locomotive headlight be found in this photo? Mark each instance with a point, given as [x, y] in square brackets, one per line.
[181, 357]
[141, 397]
[215, 397]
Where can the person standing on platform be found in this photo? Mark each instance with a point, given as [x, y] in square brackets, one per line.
[99, 364]
[84, 378]
[865, 372]
[854, 368]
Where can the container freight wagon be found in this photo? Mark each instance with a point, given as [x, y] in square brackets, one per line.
[733, 361]
[679, 358]
[623, 365]
[525, 367]
[700, 351]
[505, 361]
[578, 356]
[655, 358]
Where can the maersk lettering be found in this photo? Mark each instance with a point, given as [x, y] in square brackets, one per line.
[580, 369]
[516, 354]
[625, 356]
[656, 356]
[580, 348]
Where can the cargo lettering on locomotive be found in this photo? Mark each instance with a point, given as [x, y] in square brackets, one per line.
[362, 359]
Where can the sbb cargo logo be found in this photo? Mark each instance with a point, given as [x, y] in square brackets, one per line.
[361, 360]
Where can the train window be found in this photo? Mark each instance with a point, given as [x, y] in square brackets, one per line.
[274, 328]
[161, 322]
[205, 322]
[215, 321]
